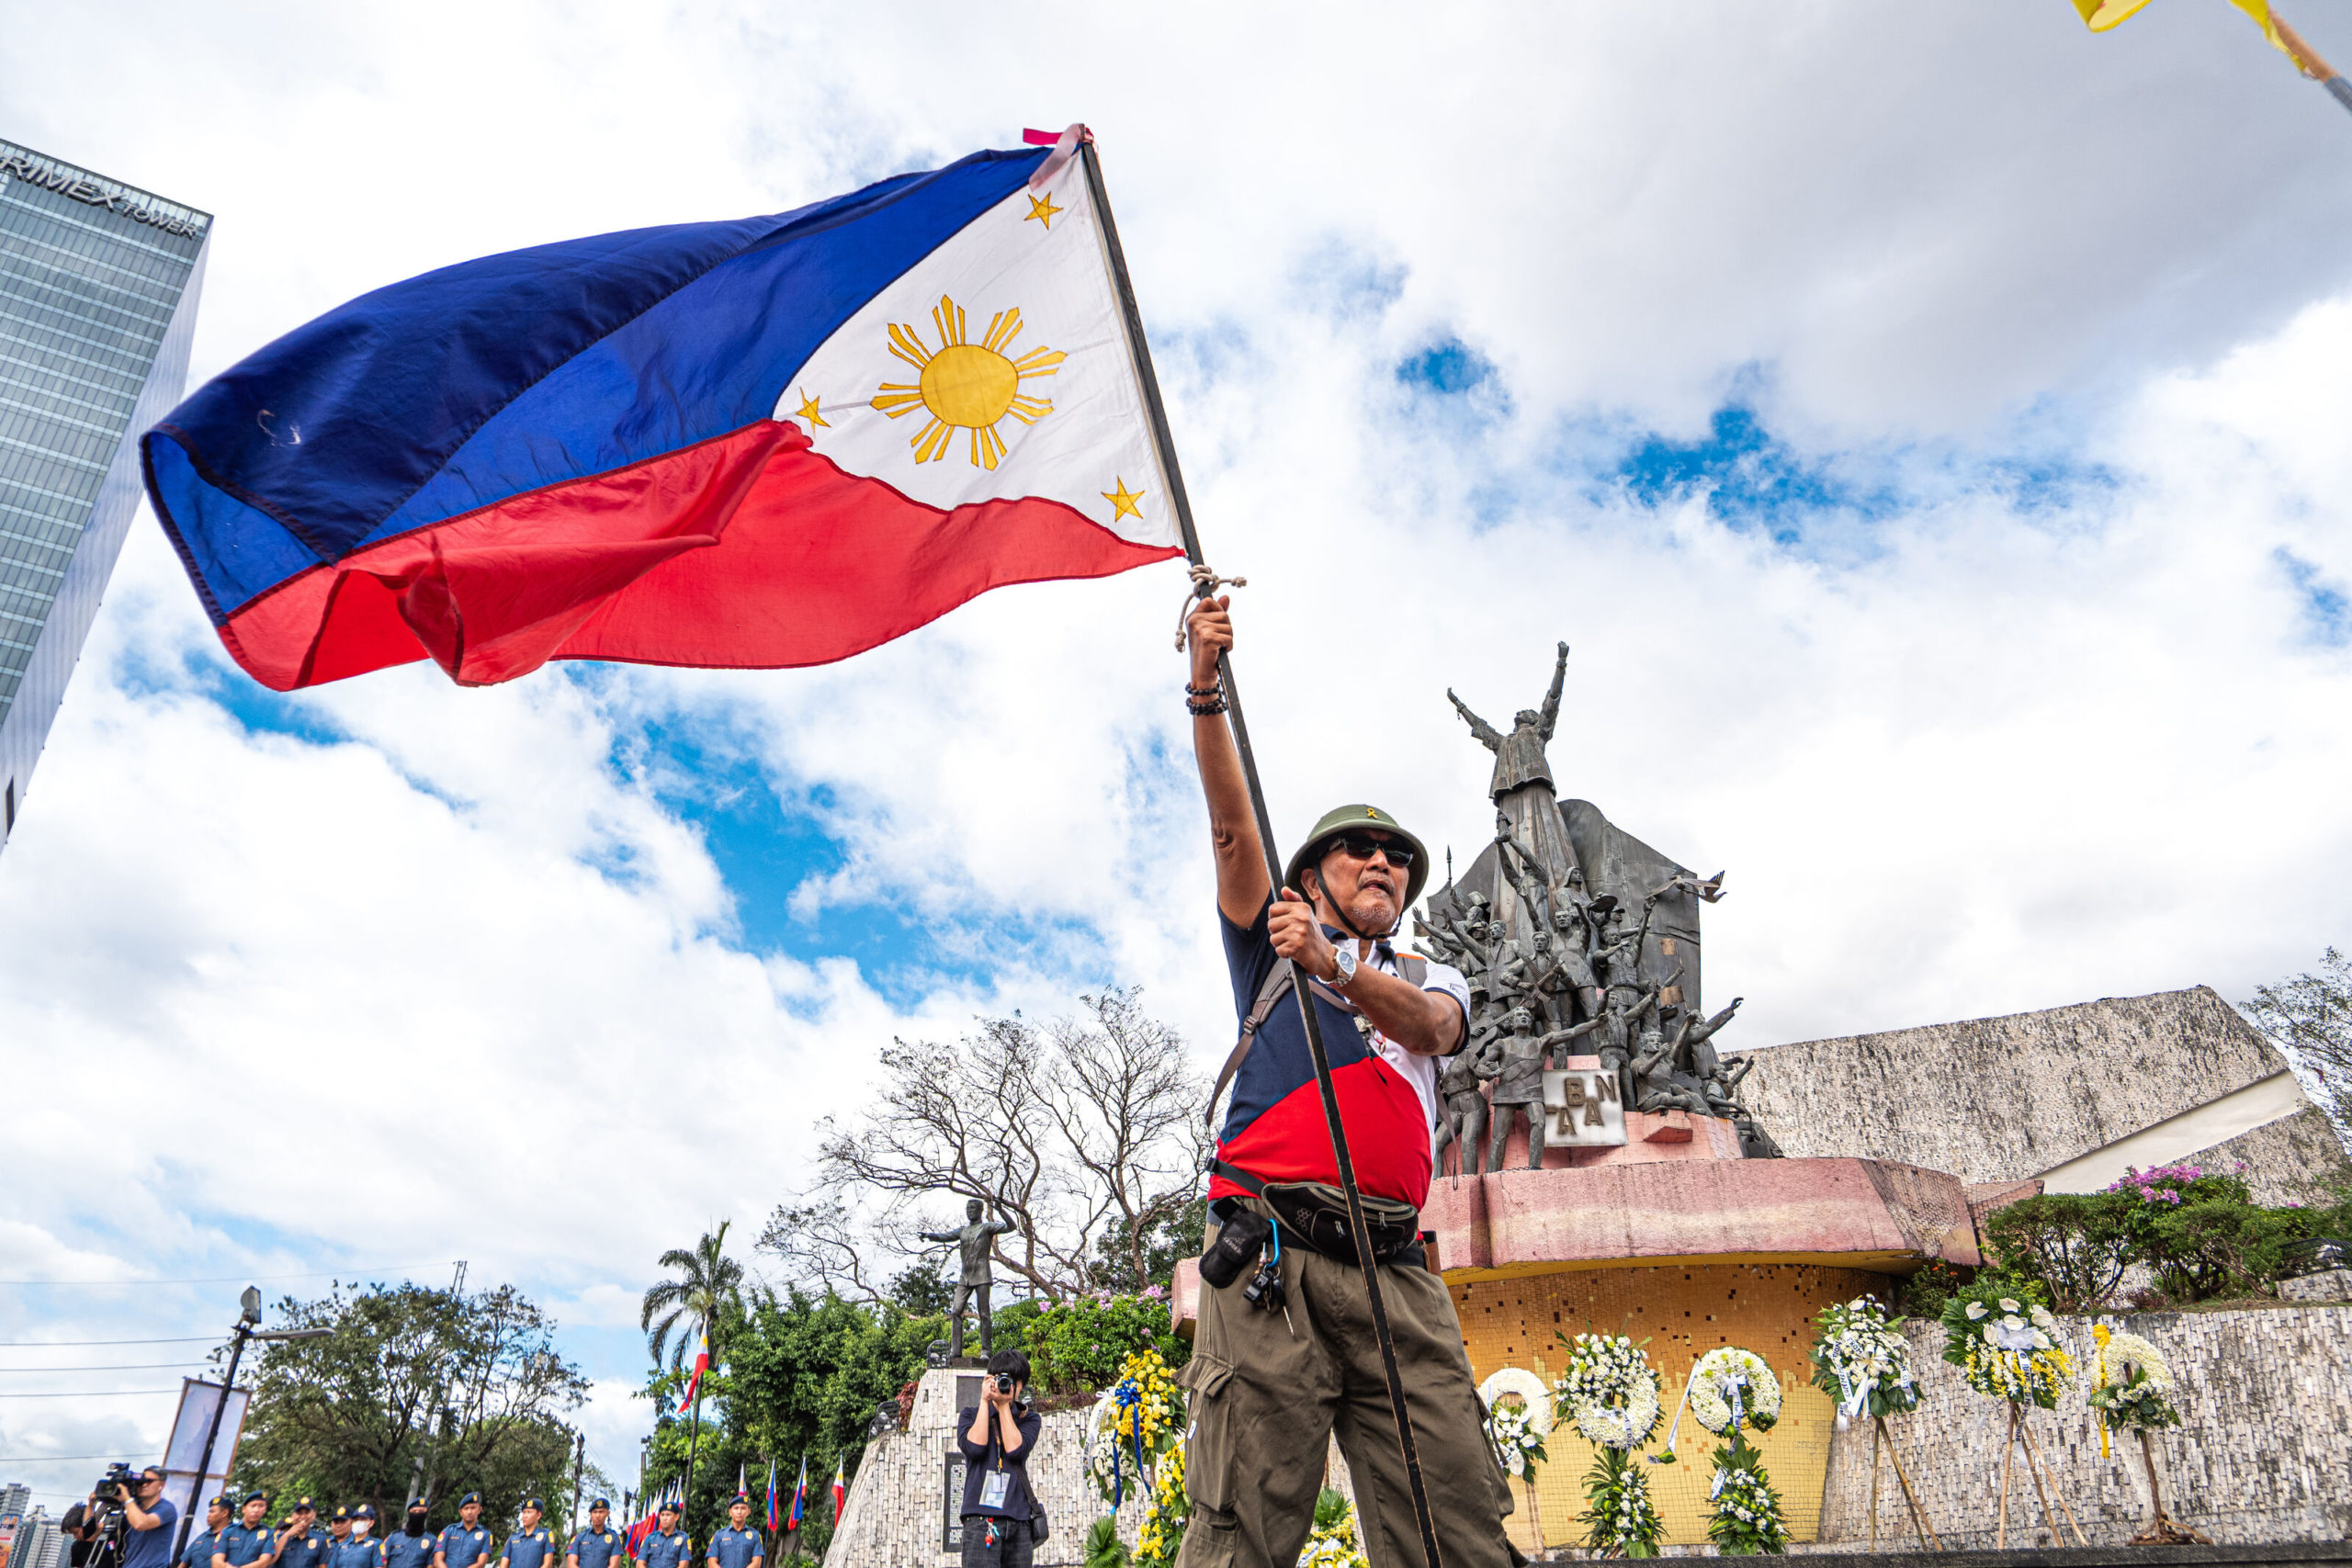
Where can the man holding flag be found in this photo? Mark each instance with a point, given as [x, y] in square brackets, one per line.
[779, 441]
[1271, 1388]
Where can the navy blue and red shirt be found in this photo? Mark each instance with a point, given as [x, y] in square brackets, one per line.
[1274, 1129]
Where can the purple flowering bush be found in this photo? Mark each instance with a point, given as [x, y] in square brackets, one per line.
[2202, 1233]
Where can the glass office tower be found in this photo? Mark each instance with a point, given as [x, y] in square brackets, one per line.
[98, 284]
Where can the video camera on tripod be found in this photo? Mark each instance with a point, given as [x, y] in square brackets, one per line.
[104, 1518]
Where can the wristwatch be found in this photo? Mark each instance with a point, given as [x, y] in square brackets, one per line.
[1347, 967]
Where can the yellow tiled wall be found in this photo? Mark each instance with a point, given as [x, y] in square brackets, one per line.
[1683, 1312]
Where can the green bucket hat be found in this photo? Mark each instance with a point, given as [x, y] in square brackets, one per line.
[1345, 818]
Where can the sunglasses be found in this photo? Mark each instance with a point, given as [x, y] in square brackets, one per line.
[1360, 847]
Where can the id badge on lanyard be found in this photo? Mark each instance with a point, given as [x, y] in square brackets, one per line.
[993, 1487]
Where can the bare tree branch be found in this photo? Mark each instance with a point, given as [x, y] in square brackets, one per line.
[1088, 1125]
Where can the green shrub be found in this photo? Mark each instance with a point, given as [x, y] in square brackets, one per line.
[1079, 1346]
[1924, 1294]
[2075, 1246]
[2202, 1235]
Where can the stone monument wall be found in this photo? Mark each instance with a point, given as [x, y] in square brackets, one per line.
[2266, 1396]
[2007, 1099]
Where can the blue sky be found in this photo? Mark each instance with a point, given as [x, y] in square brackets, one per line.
[1925, 426]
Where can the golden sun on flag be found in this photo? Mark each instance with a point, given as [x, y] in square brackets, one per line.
[965, 385]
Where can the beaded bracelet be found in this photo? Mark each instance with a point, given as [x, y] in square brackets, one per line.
[1205, 710]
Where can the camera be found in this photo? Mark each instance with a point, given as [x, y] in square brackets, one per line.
[116, 1475]
[1004, 1383]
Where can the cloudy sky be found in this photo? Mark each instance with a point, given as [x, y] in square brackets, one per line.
[1926, 423]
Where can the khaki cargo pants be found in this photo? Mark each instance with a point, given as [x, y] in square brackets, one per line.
[1267, 1396]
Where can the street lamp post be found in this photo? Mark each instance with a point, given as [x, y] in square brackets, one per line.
[248, 1327]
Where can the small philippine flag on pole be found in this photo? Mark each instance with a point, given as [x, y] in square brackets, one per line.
[841, 1489]
[751, 443]
[800, 1493]
[702, 1365]
[774, 1518]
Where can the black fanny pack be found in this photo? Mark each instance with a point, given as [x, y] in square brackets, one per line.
[1315, 1216]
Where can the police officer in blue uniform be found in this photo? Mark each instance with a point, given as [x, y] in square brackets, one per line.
[596, 1546]
[359, 1549]
[250, 1542]
[301, 1542]
[466, 1542]
[738, 1545]
[531, 1545]
[199, 1550]
[338, 1529]
[668, 1546]
[411, 1547]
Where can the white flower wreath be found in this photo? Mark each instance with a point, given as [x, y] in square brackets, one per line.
[1610, 1390]
[2124, 1351]
[1531, 1391]
[1733, 1387]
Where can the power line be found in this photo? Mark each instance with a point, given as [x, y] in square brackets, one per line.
[229, 1279]
[92, 1394]
[117, 1367]
[53, 1459]
[83, 1344]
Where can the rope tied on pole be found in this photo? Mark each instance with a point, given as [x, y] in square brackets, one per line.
[1206, 582]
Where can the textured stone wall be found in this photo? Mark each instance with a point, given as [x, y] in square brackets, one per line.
[2263, 1454]
[2286, 1160]
[2003, 1099]
[895, 1508]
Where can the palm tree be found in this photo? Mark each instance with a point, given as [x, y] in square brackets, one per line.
[710, 1282]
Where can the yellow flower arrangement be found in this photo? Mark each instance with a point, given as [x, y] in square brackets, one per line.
[1162, 1532]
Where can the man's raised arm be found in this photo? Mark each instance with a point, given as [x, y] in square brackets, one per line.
[1241, 885]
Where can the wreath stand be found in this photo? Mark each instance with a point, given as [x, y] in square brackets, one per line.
[1927, 1536]
[2166, 1531]
[2034, 1467]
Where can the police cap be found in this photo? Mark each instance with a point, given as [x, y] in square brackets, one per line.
[256, 1496]
[365, 1511]
[474, 1497]
[599, 1503]
[534, 1503]
[343, 1511]
[303, 1505]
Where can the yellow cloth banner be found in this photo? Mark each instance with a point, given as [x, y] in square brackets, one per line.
[2101, 14]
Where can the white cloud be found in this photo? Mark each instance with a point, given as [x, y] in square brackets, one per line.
[453, 985]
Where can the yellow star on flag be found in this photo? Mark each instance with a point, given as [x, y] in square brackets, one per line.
[1123, 501]
[1042, 209]
[809, 412]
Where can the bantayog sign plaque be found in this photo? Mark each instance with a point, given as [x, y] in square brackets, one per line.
[1584, 1104]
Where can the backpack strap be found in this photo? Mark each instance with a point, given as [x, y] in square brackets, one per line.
[1278, 983]
[1283, 976]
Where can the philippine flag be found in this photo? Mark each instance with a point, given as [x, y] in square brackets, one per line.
[841, 1488]
[766, 442]
[694, 1382]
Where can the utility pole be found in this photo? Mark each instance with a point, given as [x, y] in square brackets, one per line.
[248, 1327]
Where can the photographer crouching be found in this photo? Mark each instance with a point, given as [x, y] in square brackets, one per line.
[1285, 1355]
[127, 1522]
[1002, 1522]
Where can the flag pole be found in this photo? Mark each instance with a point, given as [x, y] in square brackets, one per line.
[2312, 66]
[1358, 1230]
